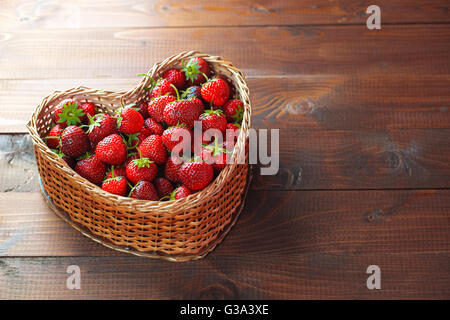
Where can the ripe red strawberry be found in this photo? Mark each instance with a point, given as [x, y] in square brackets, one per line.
[142, 135]
[179, 193]
[153, 148]
[196, 175]
[216, 92]
[118, 172]
[141, 169]
[162, 87]
[101, 126]
[213, 119]
[234, 110]
[199, 104]
[227, 80]
[232, 132]
[130, 121]
[194, 69]
[142, 108]
[153, 127]
[144, 190]
[215, 155]
[68, 113]
[54, 137]
[117, 185]
[176, 77]
[92, 169]
[172, 169]
[74, 142]
[112, 150]
[181, 112]
[156, 107]
[163, 187]
[172, 136]
[88, 109]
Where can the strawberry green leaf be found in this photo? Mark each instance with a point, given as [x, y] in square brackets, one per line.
[191, 69]
[71, 114]
[142, 162]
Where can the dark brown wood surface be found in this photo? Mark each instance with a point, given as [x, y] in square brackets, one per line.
[364, 119]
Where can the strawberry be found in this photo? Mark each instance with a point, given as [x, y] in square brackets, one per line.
[172, 136]
[180, 193]
[181, 112]
[216, 156]
[213, 119]
[224, 78]
[163, 187]
[118, 172]
[176, 77]
[101, 126]
[88, 109]
[172, 168]
[92, 169]
[68, 113]
[153, 148]
[141, 169]
[156, 107]
[234, 110]
[112, 150]
[153, 127]
[130, 121]
[195, 70]
[144, 190]
[54, 137]
[192, 92]
[142, 108]
[162, 87]
[199, 104]
[232, 132]
[74, 142]
[196, 175]
[116, 185]
[216, 92]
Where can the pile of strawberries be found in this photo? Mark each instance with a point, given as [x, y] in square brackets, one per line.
[130, 153]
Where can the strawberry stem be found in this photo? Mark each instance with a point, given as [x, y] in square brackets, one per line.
[176, 91]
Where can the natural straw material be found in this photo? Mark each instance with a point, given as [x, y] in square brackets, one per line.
[176, 230]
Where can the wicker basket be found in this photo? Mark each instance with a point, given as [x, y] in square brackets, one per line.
[177, 230]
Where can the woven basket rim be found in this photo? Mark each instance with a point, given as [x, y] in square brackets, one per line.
[142, 206]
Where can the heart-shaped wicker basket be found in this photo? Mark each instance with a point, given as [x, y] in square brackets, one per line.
[177, 230]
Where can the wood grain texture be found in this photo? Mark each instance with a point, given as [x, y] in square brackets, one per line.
[269, 51]
[286, 245]
[337, 102]
[309, 159]
[249, 276]
[273, 223]
[82, 14]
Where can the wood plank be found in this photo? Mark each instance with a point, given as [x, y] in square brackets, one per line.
[318, 159]
[268, 51]
[31, 15]
[275, 224]
[247, 276]
[359, 101]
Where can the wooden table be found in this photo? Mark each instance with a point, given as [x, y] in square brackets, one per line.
[364, 118]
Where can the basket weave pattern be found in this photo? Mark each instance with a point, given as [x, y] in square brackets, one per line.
[180, 229]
